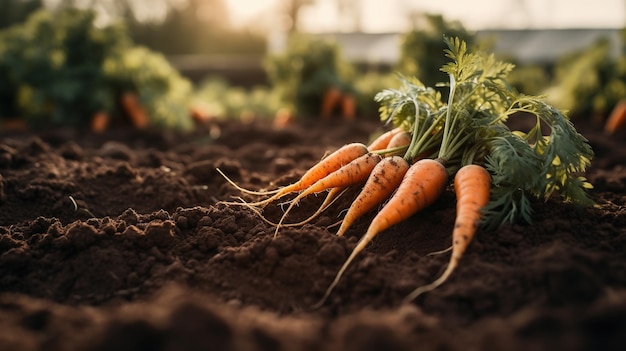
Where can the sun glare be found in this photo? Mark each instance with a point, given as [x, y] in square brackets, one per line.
[242, 11]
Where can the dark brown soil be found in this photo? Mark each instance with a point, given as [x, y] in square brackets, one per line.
[116, 242]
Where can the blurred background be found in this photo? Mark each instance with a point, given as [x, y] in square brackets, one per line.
[179, 63]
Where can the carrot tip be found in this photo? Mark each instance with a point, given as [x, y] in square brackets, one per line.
[432, 286]
[435, 253]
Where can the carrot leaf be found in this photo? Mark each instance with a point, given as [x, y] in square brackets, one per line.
[473, 127]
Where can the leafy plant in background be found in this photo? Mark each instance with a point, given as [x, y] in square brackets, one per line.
[529, 79]
[305, 71]
[59, 69]
[420, 47]
[369, 84]
[218, 99]
[589, 82]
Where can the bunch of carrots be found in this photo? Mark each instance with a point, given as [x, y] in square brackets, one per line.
[495, 171]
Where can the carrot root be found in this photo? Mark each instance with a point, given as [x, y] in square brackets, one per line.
[422, 184]
[472, 185]
[244, 190]
[352, 173]
[383, 180]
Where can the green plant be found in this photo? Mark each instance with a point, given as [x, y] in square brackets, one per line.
[589, 82]
[305, 71]
[420, 48]
[497, 171]
[59, 69]
[217, 98]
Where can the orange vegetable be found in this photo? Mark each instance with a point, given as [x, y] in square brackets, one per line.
[382, 182]
[382, 141]
[133, 109]
[472, 185]
[401, 139]
[332, 196]
[99, 122]
[348, 107]
[332, 97]
[422, 184]
[617, 118]
[355, 172]
[283, 118]
[326, 166]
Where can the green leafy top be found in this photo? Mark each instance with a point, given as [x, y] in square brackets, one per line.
[471, 128]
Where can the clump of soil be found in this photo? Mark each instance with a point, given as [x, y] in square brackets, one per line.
[117, 241]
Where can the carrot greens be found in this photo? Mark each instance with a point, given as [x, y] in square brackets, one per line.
[473, 127]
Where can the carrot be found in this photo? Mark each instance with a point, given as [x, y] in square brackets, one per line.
[331, 197]
[133, 109]
[617, 119]
[332, 96]
[382, 182]
[382, 141]
[99, 122]
[348, 107]
[401, 139]
[472, 184]
[283, 118]
[422, 184]
[353, 173]
[326, 166]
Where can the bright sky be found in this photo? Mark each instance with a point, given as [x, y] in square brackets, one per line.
[391, 15]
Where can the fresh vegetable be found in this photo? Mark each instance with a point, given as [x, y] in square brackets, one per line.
[399, 140]
[382, 182]
[421, 186]
[467, 138]
[331, 99]
[326, 166]
[383, 140]
[353, 173]
[134, 111]
[99, 122]
[617, 118]
[348, 107]
[472, 185]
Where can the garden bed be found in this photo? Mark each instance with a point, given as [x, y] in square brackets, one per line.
[116, 241]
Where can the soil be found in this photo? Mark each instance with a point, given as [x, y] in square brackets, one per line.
[117, 241]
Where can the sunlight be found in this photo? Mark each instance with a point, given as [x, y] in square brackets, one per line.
[242, 11]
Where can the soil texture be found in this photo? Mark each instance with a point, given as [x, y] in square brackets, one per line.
[117, 241]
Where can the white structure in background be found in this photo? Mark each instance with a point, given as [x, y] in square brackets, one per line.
[527, 46]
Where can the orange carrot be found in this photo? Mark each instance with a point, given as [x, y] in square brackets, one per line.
[617, 119]
[422, 184]
[472, 185]
[133, 109]
[331, 98]
[326, 166]
[283, 118]
[355, 172]
[382, 182]
[401, 139]
[331, 197]
[99, 122]
[348, 107]
[382, 141]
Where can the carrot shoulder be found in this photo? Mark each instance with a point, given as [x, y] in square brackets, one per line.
[383, 140]
[472, 185]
